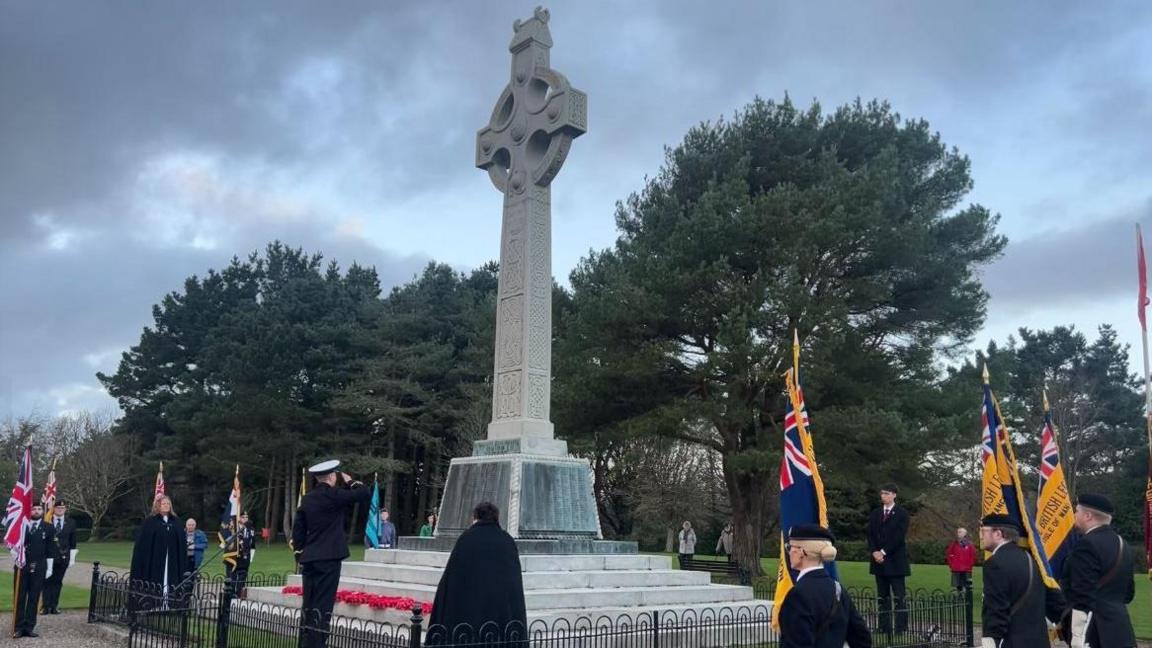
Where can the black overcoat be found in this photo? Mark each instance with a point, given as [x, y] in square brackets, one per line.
[1093, 557]
[889, 535]
[481, 593]
[160, 545]
[810, 617]
[1016, 609]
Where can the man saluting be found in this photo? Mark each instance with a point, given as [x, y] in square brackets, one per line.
[320, 545]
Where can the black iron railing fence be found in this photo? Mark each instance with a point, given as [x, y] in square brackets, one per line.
[211, 612]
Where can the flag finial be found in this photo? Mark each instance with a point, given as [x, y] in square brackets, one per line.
[1046, 407]
[986, 378]
[795, 351]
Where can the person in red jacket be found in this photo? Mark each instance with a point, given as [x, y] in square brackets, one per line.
[961, 557]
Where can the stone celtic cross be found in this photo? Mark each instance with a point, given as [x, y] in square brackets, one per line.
[522, 149]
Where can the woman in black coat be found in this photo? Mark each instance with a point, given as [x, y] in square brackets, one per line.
[159, 557]
[480, 598]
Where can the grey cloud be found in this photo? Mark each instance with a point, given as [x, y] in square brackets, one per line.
[1089, 263]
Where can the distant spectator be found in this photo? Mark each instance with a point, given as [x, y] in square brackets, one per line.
[724, 543]
[961, 556]
[195, 543]
[687, 541]
[386, 531]
[428, 529]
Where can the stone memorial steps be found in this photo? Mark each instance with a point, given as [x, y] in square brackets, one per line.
[423, 575]
[528, 562]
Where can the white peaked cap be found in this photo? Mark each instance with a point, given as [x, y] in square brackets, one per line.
[325, 467]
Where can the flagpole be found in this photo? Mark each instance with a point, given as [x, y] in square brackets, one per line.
[1142, 305]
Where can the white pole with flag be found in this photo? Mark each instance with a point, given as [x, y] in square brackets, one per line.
[1141, 312]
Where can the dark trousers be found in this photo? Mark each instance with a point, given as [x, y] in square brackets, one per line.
[321, 579]
[887, 589]
[237, 576]
[27, 602]
[53, 585]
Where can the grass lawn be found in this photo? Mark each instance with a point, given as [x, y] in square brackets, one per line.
[270, 559]
[855, 574]
[71, 598]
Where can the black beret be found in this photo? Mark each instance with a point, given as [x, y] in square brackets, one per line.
[58, 503]
[1096, 503]
[810, 532]
[997, 520]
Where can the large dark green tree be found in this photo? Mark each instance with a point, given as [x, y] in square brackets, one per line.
[847, 227]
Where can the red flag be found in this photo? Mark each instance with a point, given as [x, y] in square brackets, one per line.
[1142, 300]
[19, 508]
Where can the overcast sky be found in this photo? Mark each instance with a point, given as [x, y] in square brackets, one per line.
[141, 143]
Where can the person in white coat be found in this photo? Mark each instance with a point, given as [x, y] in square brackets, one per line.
[686, 541]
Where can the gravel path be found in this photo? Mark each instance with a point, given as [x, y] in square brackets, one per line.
[69, 629]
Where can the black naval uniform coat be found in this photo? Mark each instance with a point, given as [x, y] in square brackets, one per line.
[320, 542]
[805, 616]
[39, 546]
[65, 543]
[1093, 558]
[1011, 580]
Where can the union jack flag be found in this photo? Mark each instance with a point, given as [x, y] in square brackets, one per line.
[992, 429]
[48, 499]
[1049, 452]
[159, 483]
[795, 462]
[19, 509]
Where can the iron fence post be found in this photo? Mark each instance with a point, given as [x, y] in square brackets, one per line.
[655, 629]
[969, 631]
[92, 592]
[223, 618]
[414, 628]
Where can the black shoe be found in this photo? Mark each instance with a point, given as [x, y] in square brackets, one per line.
[32, 635]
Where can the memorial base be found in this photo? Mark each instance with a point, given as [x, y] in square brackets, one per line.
[540, 497]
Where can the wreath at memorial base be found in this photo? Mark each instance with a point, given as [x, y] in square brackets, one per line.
[374, 601]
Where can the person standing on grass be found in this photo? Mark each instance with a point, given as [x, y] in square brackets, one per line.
[195, 543]
[39, 552]
[961, 556]
[686, 541]
[1100, 579]
[724, 542]
[887, 537]
[65, 531]
[818, 613]
[159, 556]
[1016, 600]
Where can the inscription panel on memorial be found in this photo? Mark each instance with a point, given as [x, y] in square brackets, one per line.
[554, 500]
[469, 484]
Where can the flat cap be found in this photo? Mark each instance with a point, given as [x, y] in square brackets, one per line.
[810, 532]
[1096, 502]
[999, 521]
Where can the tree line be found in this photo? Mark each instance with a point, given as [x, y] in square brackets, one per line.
[848, 227]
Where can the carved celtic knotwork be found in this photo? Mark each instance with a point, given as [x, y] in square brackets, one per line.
[510, 329]
[507, 395]
[537, 396]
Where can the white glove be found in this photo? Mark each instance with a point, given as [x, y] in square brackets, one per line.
[48, 574]
[72, 556]
[222, 545]
[1079, 628]
[251, 554]
[989, 642]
